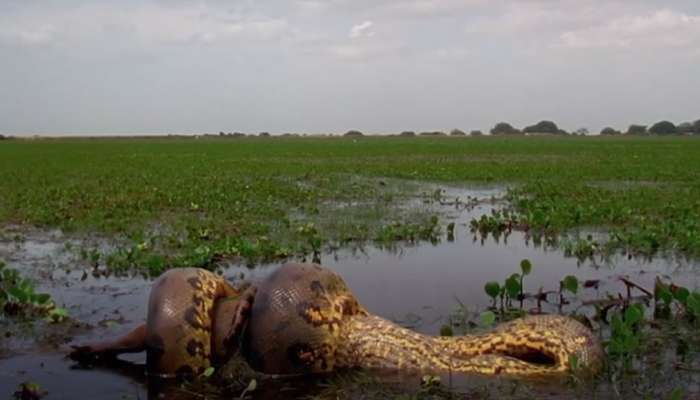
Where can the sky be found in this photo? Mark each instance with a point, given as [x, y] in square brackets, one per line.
[94, 67]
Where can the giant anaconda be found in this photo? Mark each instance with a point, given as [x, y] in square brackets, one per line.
[194, 320]
[305, 320]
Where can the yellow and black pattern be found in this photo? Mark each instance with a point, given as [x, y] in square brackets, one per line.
[305, 320]
[297, 324]
[180, 321]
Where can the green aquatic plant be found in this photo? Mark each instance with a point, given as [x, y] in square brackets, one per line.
[511, 289]
[581, 248]
[625, 336]
[642, 192]
[428, 230]
[669, 297]
[18, 296]
[632, 326]
[29, 391]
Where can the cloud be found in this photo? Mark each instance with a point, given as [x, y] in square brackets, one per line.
[146, 23]
[312, 7]
[389, 9]
[532, 18]
[427, 8]
[362, 30]
[38, 35]
[365, 52]
[587, 24]
[664, 28]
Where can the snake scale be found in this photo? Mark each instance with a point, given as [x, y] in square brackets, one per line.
[305, 320]
[194, 320]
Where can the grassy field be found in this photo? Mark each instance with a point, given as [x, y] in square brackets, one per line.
[188, 202]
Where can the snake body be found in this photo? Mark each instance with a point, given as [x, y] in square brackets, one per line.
[194, 320]
[305, 320]
[179, 325]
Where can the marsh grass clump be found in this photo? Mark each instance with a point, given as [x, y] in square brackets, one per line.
[637, 220]
[18, 298]
[428, 230]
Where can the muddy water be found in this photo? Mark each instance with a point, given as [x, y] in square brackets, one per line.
[420, 287]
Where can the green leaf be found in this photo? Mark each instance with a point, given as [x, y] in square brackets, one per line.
[570, 283]
[18, 294]
[526, 267]
[681, 294]
[573, 362]
[25, 285]
[615, 346]
[488, 318]
[446, 330]
[630, 343]
[677, 394]
[513, 285]
[693, 304]
[616, 323]
[634, 314]
[208, 372]
[492, 289]
[41, 298]
[58, 314]
[664, 294]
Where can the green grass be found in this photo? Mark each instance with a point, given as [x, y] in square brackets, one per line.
[187, 201]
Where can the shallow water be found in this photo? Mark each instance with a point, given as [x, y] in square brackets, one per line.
[418, 286]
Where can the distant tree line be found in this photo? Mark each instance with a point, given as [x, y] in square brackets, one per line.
[660, 128]
[353, 133]
[544, 127]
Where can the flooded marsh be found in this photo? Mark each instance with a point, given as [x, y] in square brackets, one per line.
[397, 220]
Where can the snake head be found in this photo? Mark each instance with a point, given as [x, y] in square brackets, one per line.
[231, 315]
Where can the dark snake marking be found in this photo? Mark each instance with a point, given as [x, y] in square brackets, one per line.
[306, 320]
[195, 320]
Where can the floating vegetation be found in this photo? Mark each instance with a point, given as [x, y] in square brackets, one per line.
[29, 391]
[256, 192]
[641, 220]
[645, 334]
[18, 298]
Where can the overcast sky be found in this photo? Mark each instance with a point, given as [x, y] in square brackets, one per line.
[99, 67]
